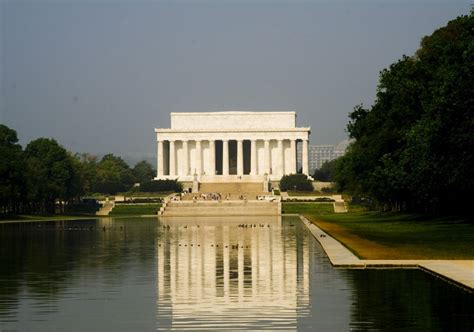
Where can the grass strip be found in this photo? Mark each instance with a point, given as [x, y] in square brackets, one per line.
[375, 235]
[311, 208]
[134, 210]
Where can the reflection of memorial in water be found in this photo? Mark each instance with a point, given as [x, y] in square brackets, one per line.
[215, 271]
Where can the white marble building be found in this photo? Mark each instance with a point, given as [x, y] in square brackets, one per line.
[230, 146]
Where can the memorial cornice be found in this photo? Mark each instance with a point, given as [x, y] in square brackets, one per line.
[232, 113]
[250, 130]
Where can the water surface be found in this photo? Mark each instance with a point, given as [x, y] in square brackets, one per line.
[205, 273]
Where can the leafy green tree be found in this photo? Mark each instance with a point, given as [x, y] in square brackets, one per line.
[113, 175]
[326, 172]
[12, 186]
[298, 182]
[88, 171]
[412, 148]
[50, 175]
[143, 172]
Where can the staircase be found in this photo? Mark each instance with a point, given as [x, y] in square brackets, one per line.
[236, 199]
[340, 207]
[105, 209]
[221, 208]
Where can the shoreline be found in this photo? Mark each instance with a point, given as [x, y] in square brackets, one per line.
[92, 217]
[457, 272]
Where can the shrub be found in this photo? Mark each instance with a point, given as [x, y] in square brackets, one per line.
[161, 185]
[298, 182]
[327, 190]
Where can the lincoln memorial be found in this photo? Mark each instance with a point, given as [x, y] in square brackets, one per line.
[231, 146]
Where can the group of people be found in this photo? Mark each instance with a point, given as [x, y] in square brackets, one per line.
[216, 197]
[210, 197]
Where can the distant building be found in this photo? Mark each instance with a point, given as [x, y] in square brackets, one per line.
[319, 154]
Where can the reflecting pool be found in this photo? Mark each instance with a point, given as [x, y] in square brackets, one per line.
[205, 273]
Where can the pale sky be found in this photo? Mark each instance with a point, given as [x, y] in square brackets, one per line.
[99, 76]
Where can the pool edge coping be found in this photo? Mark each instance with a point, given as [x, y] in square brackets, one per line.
[341, 257]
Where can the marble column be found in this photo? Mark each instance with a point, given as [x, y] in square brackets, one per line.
[185, 158]
[240, 157]
[212, 157]
[267, 156]
[280, 158]
[160, 160]
[198, 158]
[225, 157]
[305, 157]
[172, 159]
[293, 156]
[253, 157]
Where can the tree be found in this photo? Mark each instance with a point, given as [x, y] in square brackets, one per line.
[326, 172]
[50, 175]
[113, 175]
[295, 182]
[88, 170]
[12, 186]
[143, 172]
[412, 148]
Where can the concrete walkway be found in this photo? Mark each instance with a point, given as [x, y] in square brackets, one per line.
[458, 272]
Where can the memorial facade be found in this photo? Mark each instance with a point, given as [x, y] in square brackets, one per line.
[231, 146]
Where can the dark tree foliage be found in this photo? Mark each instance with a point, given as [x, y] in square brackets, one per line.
[413, 147]
[113, 175]
[12, 185]
[88, 170]
[298, 182]
[161, 185]
[51, 175]
[45, 178]
[143, 172]
[326, 172]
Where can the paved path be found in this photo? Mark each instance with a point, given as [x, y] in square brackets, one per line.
[458, 272]
[339, 255]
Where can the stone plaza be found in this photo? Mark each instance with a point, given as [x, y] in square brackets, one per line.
[231, 146]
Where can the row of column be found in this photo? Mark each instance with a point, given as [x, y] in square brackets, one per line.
[225, 157]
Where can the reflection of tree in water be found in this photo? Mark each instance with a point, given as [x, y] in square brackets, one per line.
[42, 258]
[407, 300]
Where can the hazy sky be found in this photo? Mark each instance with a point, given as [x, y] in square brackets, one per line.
[99, 76]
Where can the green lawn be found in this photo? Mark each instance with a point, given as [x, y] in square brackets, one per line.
[377, 235]
[134, 210]
[307, 208]
[304, 193]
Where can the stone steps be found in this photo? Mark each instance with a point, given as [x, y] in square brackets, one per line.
[234, 208]
[105, 209]
[231, 196]
[340, 207]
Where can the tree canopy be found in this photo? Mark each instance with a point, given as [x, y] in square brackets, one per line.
[326, 172]
[113, 175]
[50, 174]
[12, 186]
[45, 176]
[413, 147]
[298, 182]
[143, 172]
